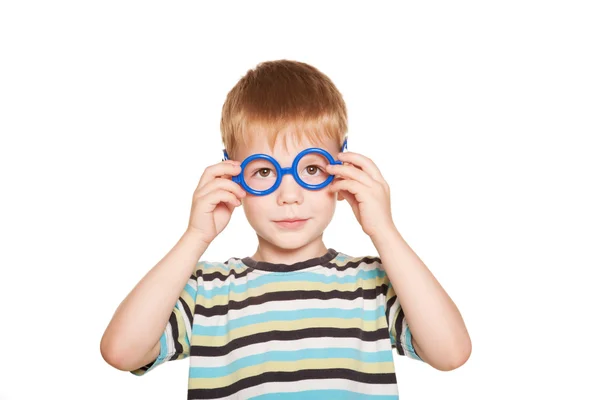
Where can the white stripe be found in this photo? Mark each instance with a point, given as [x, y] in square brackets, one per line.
[170, 340]
[287, 345]
[193, 283]
[290, 305]
[390, 389]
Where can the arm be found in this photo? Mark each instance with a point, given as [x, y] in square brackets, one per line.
[131, 339]
[439, 335]
[434, 321]
[149, 357]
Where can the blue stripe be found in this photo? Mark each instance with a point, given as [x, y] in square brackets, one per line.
[291, 356]
[298, 278]
[293, 315]
[409, 344]
[164, 351]
[330, 394]
[191, 291]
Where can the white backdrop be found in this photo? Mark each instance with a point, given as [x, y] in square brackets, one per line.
[483, 117]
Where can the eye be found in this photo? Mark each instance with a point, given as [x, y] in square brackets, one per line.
[264, 172]
[313, 169]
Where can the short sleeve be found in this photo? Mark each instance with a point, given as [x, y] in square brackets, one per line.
[176, 337]
[400, 334]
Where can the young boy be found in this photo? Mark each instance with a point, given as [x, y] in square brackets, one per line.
[296, 320]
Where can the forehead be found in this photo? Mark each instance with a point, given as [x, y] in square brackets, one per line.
[286, 147]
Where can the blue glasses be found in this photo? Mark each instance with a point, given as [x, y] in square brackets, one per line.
[261, 174]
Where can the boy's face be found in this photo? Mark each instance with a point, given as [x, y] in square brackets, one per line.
[290, 200]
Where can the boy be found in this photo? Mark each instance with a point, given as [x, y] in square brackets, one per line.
[295, 320]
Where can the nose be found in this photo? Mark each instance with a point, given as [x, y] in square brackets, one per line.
[289, 191]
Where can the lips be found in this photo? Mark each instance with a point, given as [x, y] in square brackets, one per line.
[291, 220]
[291, 223]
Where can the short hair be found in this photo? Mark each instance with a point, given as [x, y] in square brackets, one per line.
[278, 95]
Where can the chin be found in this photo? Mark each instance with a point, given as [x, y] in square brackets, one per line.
[289, 245]
[292, 239]
[289, 240]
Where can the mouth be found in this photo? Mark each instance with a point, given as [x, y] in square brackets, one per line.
[291, 223]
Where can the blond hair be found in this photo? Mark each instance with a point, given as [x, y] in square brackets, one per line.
[282, 96]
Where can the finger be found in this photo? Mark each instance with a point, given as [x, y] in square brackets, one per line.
[353, 205]
[221, 183]
[350, 171]
[222, 196]
[228, 167]
[354, 187]
[364, 163]
[344, 195]
[349, 197]
[229, 175]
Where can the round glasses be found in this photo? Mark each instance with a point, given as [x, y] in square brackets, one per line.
[261, 174]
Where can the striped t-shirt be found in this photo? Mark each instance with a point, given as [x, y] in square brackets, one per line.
[323, 328]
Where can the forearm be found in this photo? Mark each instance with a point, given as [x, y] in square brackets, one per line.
[140, 319]
[437, 327]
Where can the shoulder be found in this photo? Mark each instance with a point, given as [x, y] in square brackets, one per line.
[366, 269]
[358, 260]
[210, 270]
[369, 264]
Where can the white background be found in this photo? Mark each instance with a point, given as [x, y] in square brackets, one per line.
[483, 117]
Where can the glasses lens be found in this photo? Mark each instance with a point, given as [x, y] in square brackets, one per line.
[311, 169]
[260, 174]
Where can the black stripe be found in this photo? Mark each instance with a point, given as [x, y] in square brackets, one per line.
[187, 311]
[295, 376]
[175, 330]
[388, 307]
[238, 274]
[367, 336]
[147, 366]
[222, 276]
[297, 266]
[367, 294]
[398, 325]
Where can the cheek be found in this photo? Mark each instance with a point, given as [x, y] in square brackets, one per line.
[255, 207]
[323, 201]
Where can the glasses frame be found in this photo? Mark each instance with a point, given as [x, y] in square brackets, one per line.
[281, 172]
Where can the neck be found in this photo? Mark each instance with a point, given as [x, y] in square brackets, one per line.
[272, 253]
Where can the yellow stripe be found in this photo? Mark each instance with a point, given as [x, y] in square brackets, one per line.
[342, 323]
[182, 337]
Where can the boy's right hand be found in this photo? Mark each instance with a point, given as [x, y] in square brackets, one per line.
[214, 200]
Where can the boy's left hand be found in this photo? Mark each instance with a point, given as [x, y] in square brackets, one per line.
[361, 184]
